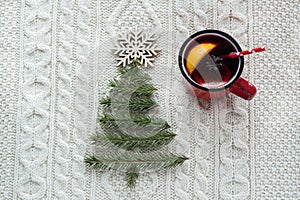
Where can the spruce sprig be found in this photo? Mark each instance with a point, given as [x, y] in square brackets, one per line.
[138, 90]
[131, 178]
[134, 76]
[142, 161]
[137, 121]
[133, 104]
[129, 142]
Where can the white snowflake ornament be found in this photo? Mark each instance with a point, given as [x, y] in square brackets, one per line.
[136, 45]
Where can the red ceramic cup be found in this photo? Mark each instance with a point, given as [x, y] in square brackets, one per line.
[208, 76]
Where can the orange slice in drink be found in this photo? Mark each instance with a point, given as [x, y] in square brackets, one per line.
[196, 54]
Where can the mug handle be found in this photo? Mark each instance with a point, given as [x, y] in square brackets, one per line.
[243, 89]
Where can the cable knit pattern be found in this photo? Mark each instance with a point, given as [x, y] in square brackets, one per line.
[181, 177]
[63, 99]
[79, 132]
[50, 87]
[130, 14]
[234, 134]
[200, 138]
[200, 17]
[35, 102]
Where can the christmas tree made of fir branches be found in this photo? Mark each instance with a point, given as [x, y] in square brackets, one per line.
[126, 124]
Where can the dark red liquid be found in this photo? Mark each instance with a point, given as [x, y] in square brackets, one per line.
[210, 71]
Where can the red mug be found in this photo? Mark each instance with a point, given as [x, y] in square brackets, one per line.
[209, 75]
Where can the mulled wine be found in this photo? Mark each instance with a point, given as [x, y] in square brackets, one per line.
[212, 62]
[203, 62]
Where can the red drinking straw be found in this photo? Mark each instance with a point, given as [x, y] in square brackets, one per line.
[244, 52]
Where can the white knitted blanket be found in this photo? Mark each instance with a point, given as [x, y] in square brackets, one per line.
[238, 149]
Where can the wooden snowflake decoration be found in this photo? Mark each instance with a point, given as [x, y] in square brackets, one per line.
[136, 45]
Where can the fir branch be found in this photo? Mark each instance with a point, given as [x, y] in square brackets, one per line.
[105, 101]
[135, 76]
[131, 178]
[113, 83]
[141, 103]
[132, 76]
[135, 63]
[129, 142]
[113, 121]
[134, 104]
[135, 160]
[137, 90]
[122, 70]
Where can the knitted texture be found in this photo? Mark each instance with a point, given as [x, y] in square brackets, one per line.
[9, 107]
[56, 62]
